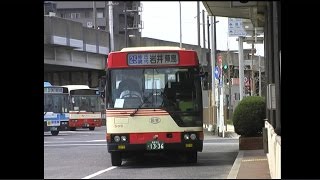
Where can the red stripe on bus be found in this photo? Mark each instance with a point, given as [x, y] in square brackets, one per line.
[141, 112]
[151, 114]
[84, 113]
[142, 138]
[82, 122]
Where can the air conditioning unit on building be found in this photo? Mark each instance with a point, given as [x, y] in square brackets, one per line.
[89, 24]
[52, 14]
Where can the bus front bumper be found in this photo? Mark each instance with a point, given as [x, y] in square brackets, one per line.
[64, 126]
[184, 146]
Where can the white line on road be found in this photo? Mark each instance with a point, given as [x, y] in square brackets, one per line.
[75, 145]
[99, 140]
[99, 172]
[220, 143]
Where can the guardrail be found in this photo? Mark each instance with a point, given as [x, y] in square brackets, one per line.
[274, 152]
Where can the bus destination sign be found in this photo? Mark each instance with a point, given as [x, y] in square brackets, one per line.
[136, 59]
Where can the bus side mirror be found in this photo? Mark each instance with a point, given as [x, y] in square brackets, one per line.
[102, 84]
[204, 74]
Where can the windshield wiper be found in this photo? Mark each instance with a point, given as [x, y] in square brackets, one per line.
[144, 101]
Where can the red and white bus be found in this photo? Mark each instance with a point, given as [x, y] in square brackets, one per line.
[153, 102]
[84, 107]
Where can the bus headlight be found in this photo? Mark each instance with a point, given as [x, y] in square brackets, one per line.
[186, 137]
[123, 138]
[193, 136]
[116, 138]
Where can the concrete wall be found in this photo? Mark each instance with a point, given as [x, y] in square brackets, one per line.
[144, 41]
[64, 32]
[84, 77]
[85, 8]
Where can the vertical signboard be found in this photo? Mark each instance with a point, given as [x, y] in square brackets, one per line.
[235, 27]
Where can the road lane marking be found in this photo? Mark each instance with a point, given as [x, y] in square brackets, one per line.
[100, 140]
[220, 143]
[99, 172]
[51, 145]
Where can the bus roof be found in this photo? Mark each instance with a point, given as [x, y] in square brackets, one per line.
[151, 48]
[74, 87]
[47, 84]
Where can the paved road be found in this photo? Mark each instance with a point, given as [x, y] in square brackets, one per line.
[83, 154]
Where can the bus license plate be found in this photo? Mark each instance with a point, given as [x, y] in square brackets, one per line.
[155, 145]
[53, 123]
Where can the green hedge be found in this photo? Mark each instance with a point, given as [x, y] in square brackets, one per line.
[249, 115]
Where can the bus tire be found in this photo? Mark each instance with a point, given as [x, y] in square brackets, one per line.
[72, 128]
[54, 133]
[91, 128]
[192, 156]
[116, 159]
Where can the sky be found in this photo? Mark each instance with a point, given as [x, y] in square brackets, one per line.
[161, 21]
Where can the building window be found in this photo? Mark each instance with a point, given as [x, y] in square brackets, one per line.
[87, 14]
[99, 14]
[75, 15]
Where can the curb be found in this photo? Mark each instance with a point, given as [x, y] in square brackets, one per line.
[231, 134]
[236, 166]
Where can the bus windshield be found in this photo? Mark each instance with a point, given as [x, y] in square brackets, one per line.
[176, 90]
[85, 103]
[56, 103]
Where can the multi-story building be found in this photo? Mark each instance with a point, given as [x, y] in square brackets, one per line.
[82, 11]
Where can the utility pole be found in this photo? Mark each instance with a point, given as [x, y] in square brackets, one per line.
[252, 72]
[106, 15]
[204, 30]
[208, 25]
[215, 35]
[241, 68]
[125, 24]
[259, 76]
[111, 26]
[94, 15]
[198, 21]
[222, 127]
[180, 25]
[213, 84]
[215, 57]
[229, 81]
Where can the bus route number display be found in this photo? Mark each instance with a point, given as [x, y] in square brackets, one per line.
[143, 59]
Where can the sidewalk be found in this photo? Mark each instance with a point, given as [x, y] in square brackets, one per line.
[249, 164]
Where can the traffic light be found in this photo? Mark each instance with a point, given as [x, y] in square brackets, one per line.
[225, 67]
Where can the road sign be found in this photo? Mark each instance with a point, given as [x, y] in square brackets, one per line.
[235, 27]
[217, 72]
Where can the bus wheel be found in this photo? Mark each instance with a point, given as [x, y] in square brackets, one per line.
[54, 133]
[72, 128]
[192, 156]
[91, 128]
[116, 159]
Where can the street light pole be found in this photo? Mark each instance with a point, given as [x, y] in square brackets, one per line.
[204, 30]
[198, 21]
[125, 24]
[111, 26]
[94, 15]
[259, 76]
[213, 84]
[241, 68]
[180, 25]
[252, 72]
